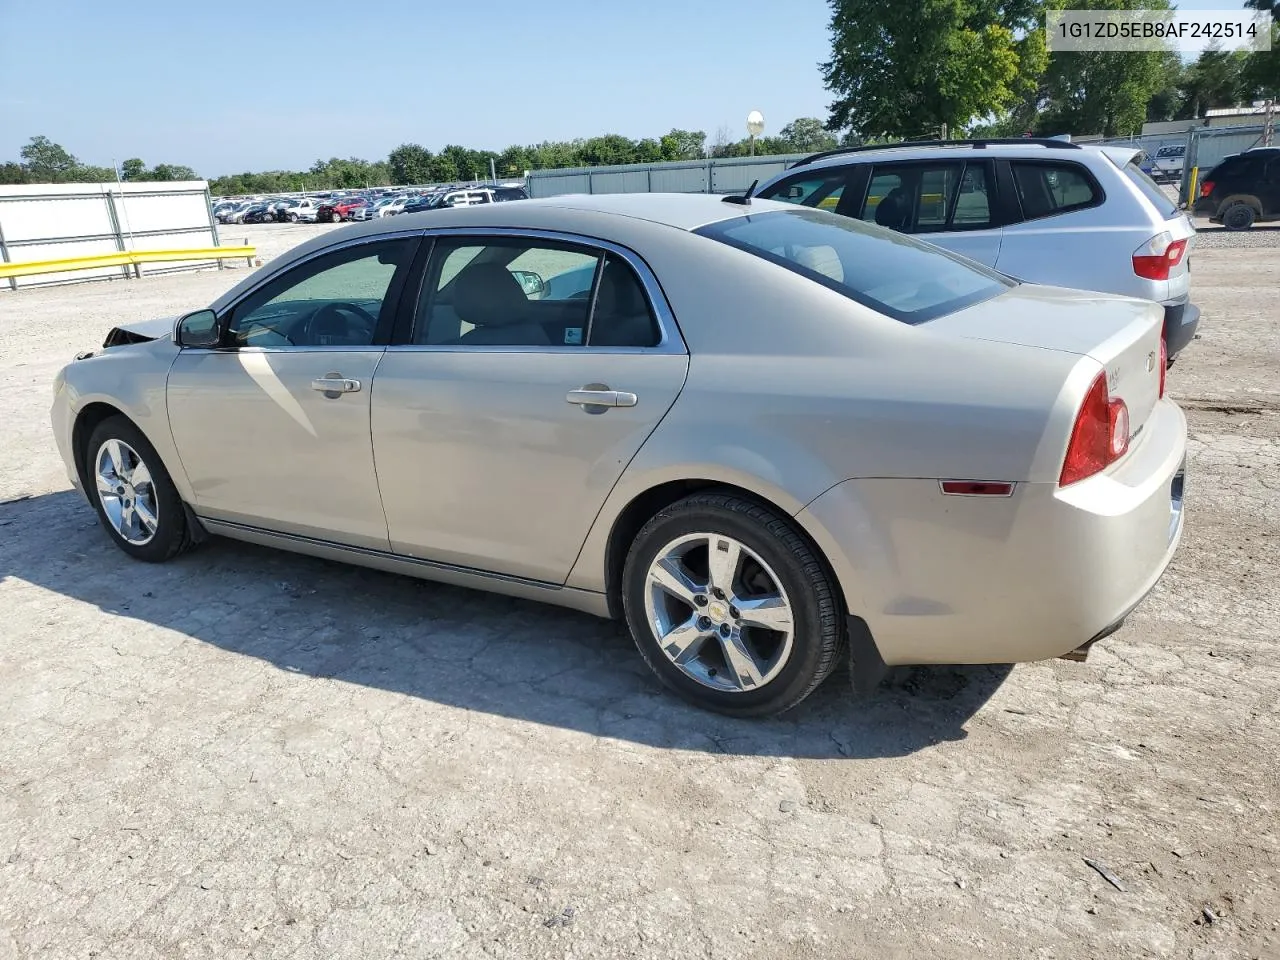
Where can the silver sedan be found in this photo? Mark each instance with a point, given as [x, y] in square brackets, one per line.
[763, 435]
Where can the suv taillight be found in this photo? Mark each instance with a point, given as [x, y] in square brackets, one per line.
[1155, 258]
[1206, 188]
[1099, 437]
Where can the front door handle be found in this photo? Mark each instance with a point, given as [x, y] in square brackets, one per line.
[333, 386]
[601, 396]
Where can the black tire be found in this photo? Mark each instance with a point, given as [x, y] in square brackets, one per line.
[1238, 216]
[293, 218]
[172, 534]
[818, 622]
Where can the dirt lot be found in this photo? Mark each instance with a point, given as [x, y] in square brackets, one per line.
[250, 754]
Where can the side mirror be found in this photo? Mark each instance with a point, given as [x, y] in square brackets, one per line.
[532, 283]
[198, 329]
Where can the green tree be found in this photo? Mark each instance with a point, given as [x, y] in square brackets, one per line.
[12, 173]
[86, 173]
[1260, 77]
[514, 161]
[1214, 80]
[133, 169]
[443, 170]
[908, 68]
[169, 171]
[612, 148]
[48, 162]
[1166, 102]
[807, 135]
[410, 163]
[684, 145]
[1101, 92]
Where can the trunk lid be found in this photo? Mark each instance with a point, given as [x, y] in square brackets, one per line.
[1121, 333]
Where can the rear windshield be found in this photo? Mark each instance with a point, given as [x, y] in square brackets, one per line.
[894, 274]
[1151, 190]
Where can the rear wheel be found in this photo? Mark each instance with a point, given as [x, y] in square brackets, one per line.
[131, 490]
[1239, 216]
[730, 606]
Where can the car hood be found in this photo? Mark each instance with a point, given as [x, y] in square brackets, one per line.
[140, 331]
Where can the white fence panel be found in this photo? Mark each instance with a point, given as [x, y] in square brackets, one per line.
[66, 220]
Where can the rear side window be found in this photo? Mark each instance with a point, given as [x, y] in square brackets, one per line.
[1150, 189]
[1238, 168]
[928, 197]
[1047, 189]
[893, 274]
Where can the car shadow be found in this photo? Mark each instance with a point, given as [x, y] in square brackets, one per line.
[464, 648]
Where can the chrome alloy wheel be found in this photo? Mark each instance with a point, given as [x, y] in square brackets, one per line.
[126, 491]
[719, 612]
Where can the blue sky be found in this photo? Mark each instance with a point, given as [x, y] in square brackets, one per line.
[177, 82]
[279, 83]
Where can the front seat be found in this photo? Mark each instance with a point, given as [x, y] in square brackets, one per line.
[489, 298]
[894, 210]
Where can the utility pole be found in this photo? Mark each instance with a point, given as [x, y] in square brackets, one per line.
[1269, 123]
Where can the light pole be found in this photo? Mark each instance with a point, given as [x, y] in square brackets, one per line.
[755, 127]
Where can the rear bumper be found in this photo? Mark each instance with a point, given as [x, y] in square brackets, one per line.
[941, 579]
[1181, 318]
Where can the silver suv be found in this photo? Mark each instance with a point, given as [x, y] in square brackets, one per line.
[1045, 211]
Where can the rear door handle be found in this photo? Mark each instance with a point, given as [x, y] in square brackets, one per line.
[333, 386]
[593, 397]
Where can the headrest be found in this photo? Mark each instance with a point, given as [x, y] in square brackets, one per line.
[619, 291]
[487, 295]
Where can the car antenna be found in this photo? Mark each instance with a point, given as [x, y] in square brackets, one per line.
[745, 199]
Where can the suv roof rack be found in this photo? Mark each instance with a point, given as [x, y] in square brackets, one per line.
[1051, 142]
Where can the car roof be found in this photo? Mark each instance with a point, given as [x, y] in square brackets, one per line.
[608, 217]
[1032, 149]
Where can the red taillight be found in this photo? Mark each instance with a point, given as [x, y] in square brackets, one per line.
[1206, 188]
[1164, 363]
[1100, 435]
[1155, 258]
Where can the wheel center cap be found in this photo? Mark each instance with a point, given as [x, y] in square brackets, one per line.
[717, 611]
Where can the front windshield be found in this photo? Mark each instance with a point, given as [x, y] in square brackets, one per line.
[894, 274]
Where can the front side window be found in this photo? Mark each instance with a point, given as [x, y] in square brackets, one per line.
[337, 299]
[1046, 189]
[895, 275]
[822, 190]
[510, 292]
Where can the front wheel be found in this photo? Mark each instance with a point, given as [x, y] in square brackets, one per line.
[132, 493]
[730, 606]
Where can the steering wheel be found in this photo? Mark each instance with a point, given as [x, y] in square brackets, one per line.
[341, 306]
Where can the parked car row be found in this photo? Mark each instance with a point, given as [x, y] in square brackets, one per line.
[367, 205]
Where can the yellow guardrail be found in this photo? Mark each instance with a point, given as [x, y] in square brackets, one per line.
[124, 258]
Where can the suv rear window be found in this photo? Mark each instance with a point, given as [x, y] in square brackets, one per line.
[1150, 189]
[894, 274]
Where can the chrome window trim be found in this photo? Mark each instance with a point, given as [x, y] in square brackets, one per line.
[670, 342]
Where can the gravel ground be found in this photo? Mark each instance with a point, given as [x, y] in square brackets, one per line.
[249, 754]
